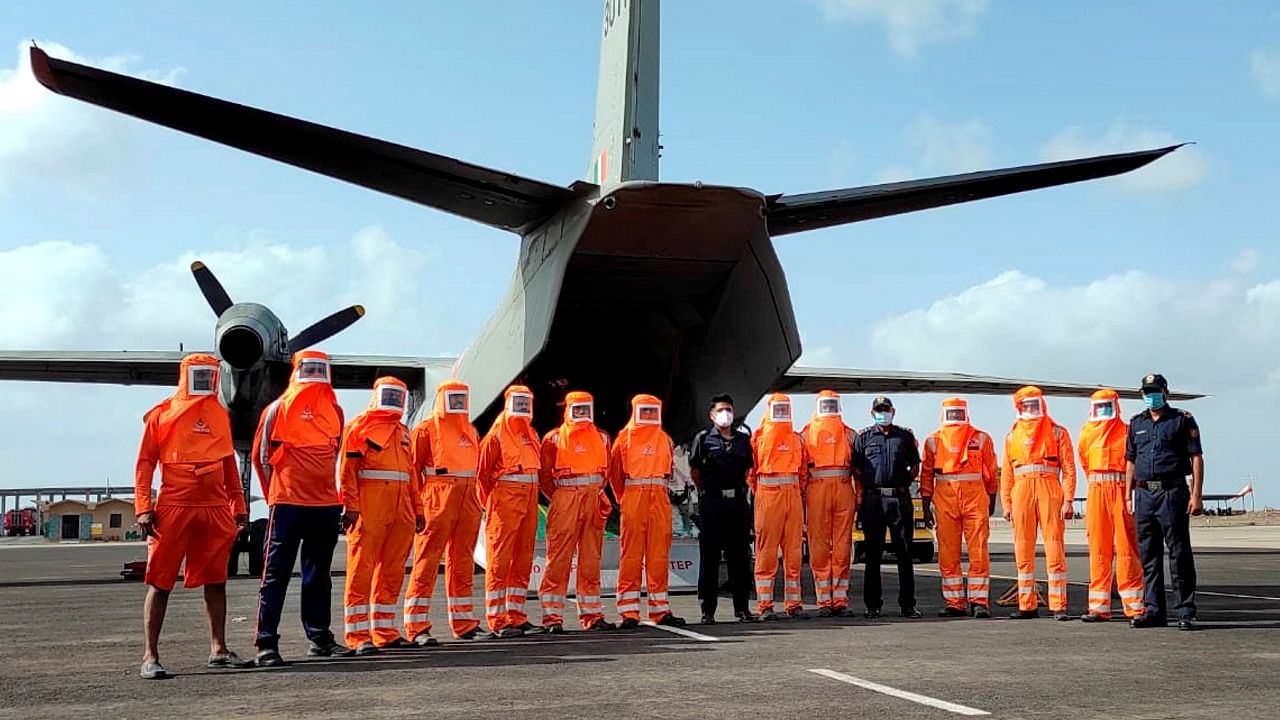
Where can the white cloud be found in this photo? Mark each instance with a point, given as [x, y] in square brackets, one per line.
[912, 24]
[943, 149]
[1265, 66]
[1181, 170]
[1246, 261]
[50, 138]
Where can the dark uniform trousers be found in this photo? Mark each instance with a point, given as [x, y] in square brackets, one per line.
[315, 529]
[1162, 518]
[726, 529]
[892, 509]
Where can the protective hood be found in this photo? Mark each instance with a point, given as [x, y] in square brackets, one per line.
[826, 434]
[1103, 436]
[1038, 430]
[956, 431]
[514, 428]
[192, 425]
[582, 449]
[309, 414]
[648, 446]
[777, 445]
[456, 445]
[385, 415]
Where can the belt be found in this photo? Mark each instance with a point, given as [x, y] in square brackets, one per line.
[1037, 468]
[1154, 485]
[727, 494]
[580, 480]
[634, 482]
[777, 480]
[530, 478]
[445, 472]
[829, 473]
[886, 491]
[957, 477]
[390, 475]
[1105, 477]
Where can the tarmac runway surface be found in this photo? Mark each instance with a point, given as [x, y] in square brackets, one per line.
[72, 644]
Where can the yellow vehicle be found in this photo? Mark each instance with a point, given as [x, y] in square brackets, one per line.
[922, 546]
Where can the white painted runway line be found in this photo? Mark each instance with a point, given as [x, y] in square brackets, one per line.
[681, 631]
[902, 694]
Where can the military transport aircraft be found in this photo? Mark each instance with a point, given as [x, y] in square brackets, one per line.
[678, 281]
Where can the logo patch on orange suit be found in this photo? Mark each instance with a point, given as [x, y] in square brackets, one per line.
[307, 414]
[784, 447]
[463, 442]
[648, 450]
[580, 449]
[200, 427]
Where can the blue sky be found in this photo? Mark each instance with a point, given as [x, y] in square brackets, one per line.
[1171, 269]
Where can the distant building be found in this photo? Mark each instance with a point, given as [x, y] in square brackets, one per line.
[107, 519]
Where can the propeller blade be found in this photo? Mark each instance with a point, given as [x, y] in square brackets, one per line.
[213, 291]
[326, 328]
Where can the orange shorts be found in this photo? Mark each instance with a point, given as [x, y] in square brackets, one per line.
[201, 535]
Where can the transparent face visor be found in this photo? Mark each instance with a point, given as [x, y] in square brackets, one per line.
[648, 415]
[455, 402]
[520, 405]
[202, 379]
[955, 416]
[828, 407]
[313, 371]
[391, 398]
[580, 412]
[780, 411]
[1102, 410]
[1031, 408]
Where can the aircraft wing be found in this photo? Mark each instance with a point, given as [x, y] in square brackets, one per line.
[127, 367]
[812, 380]
[810, 211]
[492, 197]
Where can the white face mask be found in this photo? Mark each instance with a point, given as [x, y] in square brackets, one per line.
[723, 418]
[202, 379]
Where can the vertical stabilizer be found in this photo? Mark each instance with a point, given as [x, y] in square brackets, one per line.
[625, 135]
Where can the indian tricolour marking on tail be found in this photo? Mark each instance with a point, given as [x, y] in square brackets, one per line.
[625, 133]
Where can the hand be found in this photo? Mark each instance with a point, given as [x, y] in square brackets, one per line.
[349, 520]
[1128, 504]
[147, 524]
[928, 517]
[1008, 515]
[242, 520]
[1068, 510]
[1196, 506]
[419, 524]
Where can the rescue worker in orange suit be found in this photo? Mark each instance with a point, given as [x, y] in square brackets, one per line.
[829, 504]
[295, 452]
[640, 467]
[575, 458]
[382, 499]
[958, 486]
[510, 462]
[778, 482]
[1108, 521]
[1037, 485]
[446, 451]
[198, 512]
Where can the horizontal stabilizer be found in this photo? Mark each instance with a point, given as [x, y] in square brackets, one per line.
[124, 367]
[810, 211]
[813, 380]
[477, 193]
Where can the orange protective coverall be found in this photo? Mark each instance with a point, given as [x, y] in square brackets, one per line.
[778, 480]
[189, 436]
[829, 501]
[958, 471]
[575, 458]
[378, 481]
[1108, 523]
[446, 452]
[296, 462]
[1037, 484]
[508, 480]
[639, 470]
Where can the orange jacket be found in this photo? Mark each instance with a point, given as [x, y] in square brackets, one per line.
[1038, 441]
[827, 439]
[189, 436]
[574, 448]
[643, 450]
[446, 443]
[1102, 440]
[511, 446]
[958, 448]
[376, 470]
[295, 449]
[777, 447]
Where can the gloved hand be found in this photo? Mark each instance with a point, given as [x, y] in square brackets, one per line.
[349, 520]
[1068, 509]
[147, 525]
[928, 516]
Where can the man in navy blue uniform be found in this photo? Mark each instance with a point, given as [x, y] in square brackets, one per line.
[1163, 448]
[886, 459]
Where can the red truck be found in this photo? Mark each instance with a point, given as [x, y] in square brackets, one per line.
[22, 522]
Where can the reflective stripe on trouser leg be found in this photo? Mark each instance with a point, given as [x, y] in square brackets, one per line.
[657, 552]
[362, 545]
[953, 591]
[1024, 538]
[659, 605]
[792, 547]
[1100, 603]
[563, 531]
[979, 590]
[631, 554]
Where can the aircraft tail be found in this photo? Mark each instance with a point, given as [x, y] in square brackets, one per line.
[625, 134]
